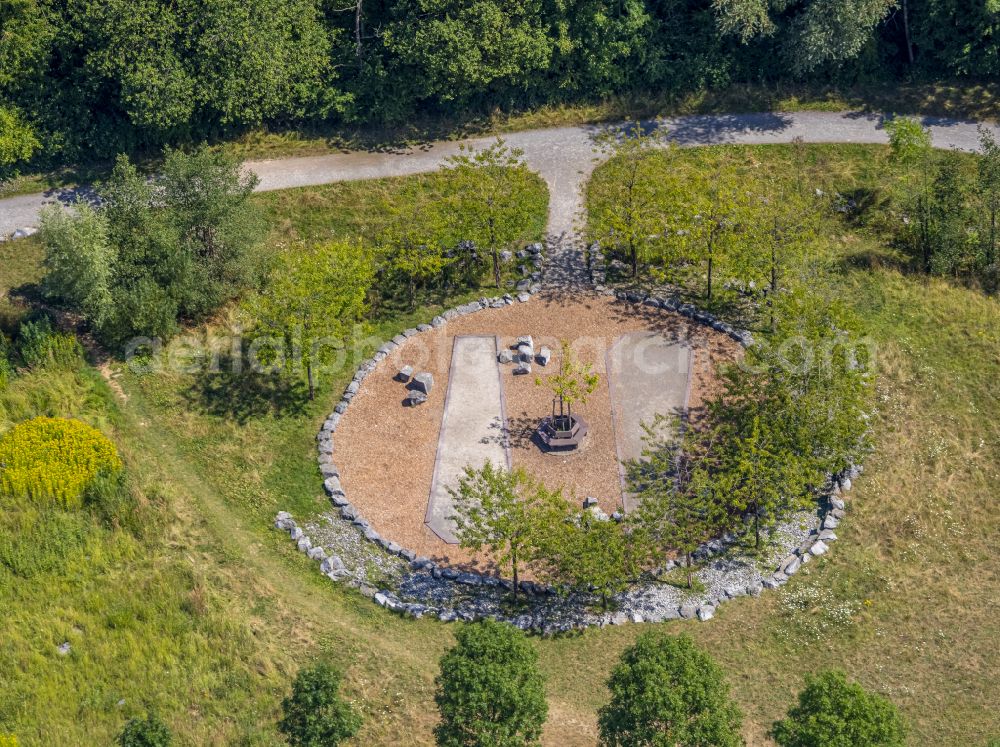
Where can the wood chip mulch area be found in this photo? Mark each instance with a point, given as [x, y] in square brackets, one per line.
[385, 452]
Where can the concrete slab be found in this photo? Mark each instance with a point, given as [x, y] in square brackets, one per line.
[473, 427]
[649, 375]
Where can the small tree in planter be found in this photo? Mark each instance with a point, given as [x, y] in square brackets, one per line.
[573, 383]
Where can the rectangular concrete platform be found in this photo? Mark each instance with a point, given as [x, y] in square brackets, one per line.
[473, 427]
[649, 376]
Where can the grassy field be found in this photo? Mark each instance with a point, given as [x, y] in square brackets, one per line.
[207, 615]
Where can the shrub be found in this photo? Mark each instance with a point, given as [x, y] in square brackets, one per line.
[6, 369]
[39, 346]
[146, 732]
[665, 691]
[8, 740]
[54, 460]
[315, 714]
[833, 712]
[490, 691]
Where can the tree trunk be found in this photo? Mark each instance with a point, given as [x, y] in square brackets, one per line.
[309, 378]
[906, 31]
[709, 276]
[496, 267]
[513, 564]
[357, 29]
[690, 571]
[756, 527]
[634, 257]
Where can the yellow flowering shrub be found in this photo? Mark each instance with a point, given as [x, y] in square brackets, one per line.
[53, 460]
[8, 740]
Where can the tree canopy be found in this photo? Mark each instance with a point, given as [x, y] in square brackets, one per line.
[833, 712]
[489, 691]
[665, 691]
[315, 714]
[92, 78]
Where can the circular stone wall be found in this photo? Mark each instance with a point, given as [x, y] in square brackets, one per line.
[386, 453]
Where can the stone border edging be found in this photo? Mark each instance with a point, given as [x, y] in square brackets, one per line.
[832, 508]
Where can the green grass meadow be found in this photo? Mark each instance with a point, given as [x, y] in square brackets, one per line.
[204, 613]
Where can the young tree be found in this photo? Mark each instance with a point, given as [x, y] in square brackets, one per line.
[146, 732]
[629, 214]
[79, 261]
[490, 692]
[505, 511]
[679, 506]
[573, 383]
[492, 198]
[315, 714]
[665, 691]
[910, 147]
[833, 712]
[782, 225]
[759, 476]
[589, 553]
[954, 247]
[315, 297]
[414, 252]
[206, 196]
[989, 193]
[713, 204]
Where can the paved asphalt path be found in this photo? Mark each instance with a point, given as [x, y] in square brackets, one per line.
[564, 156]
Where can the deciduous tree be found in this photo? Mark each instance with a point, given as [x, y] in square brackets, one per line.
[507, 512]
[573, 382]
[79, 260]
[630, 207]
[489, 691]
[315, 296]
[665, 691]
[989, 194]
[588, 553]
[492, 195]
[315, 714]
[832, 712]
[678, 502]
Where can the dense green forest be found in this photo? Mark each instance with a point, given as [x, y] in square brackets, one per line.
[87, 79]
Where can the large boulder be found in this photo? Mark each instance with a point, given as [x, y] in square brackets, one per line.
[423, 382]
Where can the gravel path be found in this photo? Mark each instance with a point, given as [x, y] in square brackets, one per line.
[564, 156]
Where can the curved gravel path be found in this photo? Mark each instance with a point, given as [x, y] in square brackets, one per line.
[564, 156]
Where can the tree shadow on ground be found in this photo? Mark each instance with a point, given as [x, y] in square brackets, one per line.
[245, 395]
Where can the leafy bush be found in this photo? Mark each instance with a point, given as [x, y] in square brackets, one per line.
[490, 691]
[8, 740]
[665, 691]
[833, 712]
[146, 732]
[154, 253]
[6, 369]
[40, 346]
[53, 460]
[315, 714]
